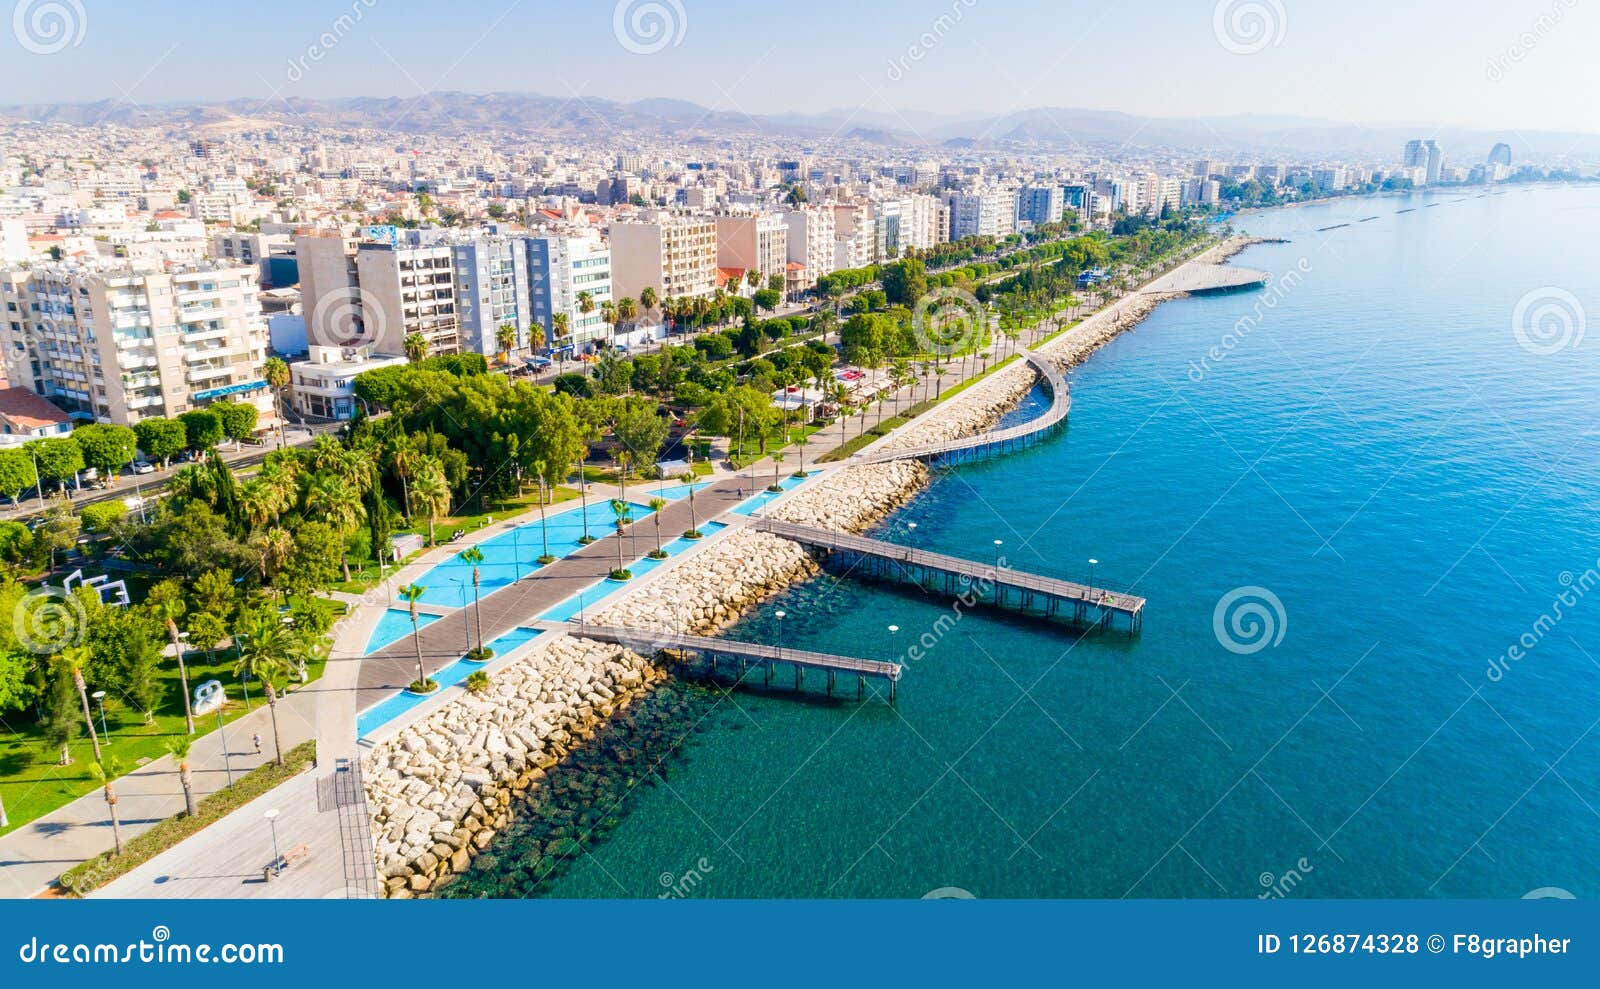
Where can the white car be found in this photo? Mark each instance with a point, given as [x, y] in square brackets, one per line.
[143, 467]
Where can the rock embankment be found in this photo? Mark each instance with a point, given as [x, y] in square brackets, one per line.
[440, 789]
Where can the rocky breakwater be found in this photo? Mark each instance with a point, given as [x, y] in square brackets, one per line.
[738, 572]
[442, 788]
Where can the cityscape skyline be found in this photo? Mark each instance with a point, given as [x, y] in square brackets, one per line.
[1511, 66]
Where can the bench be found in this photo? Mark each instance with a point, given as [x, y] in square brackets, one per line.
[297, 854]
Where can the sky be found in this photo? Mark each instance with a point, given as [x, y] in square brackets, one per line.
[1486, 64]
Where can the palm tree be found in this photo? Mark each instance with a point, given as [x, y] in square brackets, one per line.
[339, 505]
[648, 298]
[404, 459]
[172, 609]
[416, 347]
[266, 648]
[410, 594]
[432, 492]
[179, 747]
[583, 497]
[505, 337]
[627, 309]
[545, 559]
[75, 658]
[777, 461]
[272, 548]
[694, 521]
[608, 314]
[276, 373]
[474, 556]
[106, 771]
[536, 336]
[657, 506]
[624, 513]
[623, 456]
[258, 502]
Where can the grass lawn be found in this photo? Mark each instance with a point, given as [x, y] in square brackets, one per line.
[32, 785]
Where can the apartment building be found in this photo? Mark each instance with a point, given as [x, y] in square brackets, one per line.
[673, 254]
[560, 268]
[115, 343]
[491, 286]
[408, 290]
[810, 239]
[323, 386]
[982, 213]
[855, 235]
[1040, 204]
[758, 242]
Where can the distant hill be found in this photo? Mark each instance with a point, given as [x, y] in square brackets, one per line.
[1063, 128]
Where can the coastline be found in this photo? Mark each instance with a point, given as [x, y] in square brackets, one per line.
[442, 789]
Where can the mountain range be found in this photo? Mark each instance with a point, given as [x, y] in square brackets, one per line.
[1060, 128]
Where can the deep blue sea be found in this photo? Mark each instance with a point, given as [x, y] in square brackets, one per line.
[1386, 486]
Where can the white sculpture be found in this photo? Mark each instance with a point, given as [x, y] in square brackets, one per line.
[209, 696]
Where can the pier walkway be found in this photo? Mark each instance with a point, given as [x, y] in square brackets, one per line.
[648, 642]
[1002, 586]
[997, 440]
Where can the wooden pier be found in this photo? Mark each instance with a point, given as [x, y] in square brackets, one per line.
[648, 642]
[997, 440]
[987, 583]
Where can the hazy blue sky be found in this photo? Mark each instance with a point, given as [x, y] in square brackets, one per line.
[1494, 63]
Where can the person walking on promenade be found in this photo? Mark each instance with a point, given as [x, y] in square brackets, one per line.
[256, 738]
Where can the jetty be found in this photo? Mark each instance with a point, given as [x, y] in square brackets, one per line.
[996, 585]
[995, 441]
[1199, 278]
[648, 642]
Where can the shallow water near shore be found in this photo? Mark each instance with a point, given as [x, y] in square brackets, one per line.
[1378, 453]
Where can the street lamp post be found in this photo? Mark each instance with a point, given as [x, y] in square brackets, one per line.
[780, 616]
[997, 544]
[227, 758]
[100, 698]
[272, 822]
[1092, 565]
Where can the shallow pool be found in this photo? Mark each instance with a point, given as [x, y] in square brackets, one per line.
[394, 626]
[514, 553]
[752, 505]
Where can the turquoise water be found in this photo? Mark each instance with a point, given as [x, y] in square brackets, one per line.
[394, 626]
[1380, 454]
[515, 553]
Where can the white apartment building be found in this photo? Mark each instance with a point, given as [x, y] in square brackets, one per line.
[561, 267]
[375, 294]
[759, 242]
[675, 255]
[118, 343]
[855, 236]
[811, 237]
[982, 213]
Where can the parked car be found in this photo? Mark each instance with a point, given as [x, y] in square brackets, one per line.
[143, 467]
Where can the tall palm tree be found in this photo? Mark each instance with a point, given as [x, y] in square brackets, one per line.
[106, 771]
[474, 556]
[624, 514]
[179, 747]
[171, 610]
[583, 498]
[416, 347]
[75, 658]
[267, 647]
[627, 309]
[505, 337]
[648, 298]
[431, 491]
[276, 373]
[258, 502]
[657, 506]
[536, 336]
[608, 315]
[410, 594]
[404, 458]
[694, 521]
[272, 548]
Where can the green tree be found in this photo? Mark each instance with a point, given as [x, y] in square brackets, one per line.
[59, 458]
[474, 556]
[411, 594]
[161, 439]
[202, 429]
[106, 448]
[276, 372]
[238, 418]
[16, 473]
[179, 747]
[107, 769]
[641, 431]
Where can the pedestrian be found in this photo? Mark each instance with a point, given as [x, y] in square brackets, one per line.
[256, 738]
